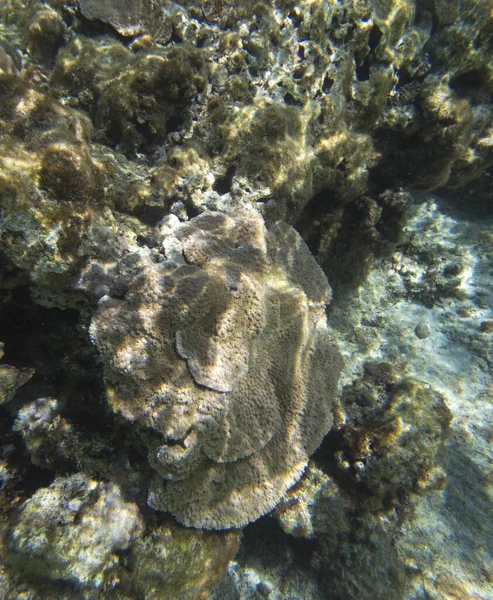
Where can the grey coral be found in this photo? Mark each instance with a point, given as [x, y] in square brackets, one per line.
[224, 355]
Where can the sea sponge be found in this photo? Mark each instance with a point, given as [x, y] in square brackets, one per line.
[224, 356]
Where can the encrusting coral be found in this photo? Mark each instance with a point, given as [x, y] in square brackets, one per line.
[73, 530]
[223, 354]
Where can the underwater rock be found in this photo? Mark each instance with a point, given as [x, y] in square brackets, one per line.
[171, 562]
[131, 17]
[315, 506]
[49, 437]
[73, 531]
[442, 108]
[225, 357]
[135, 99]
[261, 146]
[348, 238]
[123, 15]
[363, 564]
[393, 440]
[57, 191]
[10, 380]
[45, 33]
[10, 60]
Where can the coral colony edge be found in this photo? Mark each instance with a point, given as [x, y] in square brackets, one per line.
[246, 299]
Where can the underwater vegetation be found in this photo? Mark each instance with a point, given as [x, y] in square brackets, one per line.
[187, 408]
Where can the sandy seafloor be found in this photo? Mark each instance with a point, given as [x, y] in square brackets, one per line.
[451, 535]
[448, 542]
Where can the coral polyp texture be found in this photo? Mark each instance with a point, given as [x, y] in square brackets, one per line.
[224, 356]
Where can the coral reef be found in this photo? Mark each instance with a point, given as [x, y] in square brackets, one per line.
[171, 562]
[10, 60]
[224, 354]
[347, 239]
[45, 33]
[295, 108]
[167, 335]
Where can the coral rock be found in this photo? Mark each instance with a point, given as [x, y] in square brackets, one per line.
[394, 436]
[130, 17]
[48, 436]
[315, 506]
[11, 379]
[171, 562]
[72, 529]
[226, 359]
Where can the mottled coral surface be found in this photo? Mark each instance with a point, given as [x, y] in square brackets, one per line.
[224, 356]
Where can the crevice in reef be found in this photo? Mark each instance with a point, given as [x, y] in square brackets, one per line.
[55, 344]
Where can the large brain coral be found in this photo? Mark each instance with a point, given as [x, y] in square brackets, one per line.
[223, 354]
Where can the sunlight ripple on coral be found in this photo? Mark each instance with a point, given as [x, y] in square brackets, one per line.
[225, 357]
